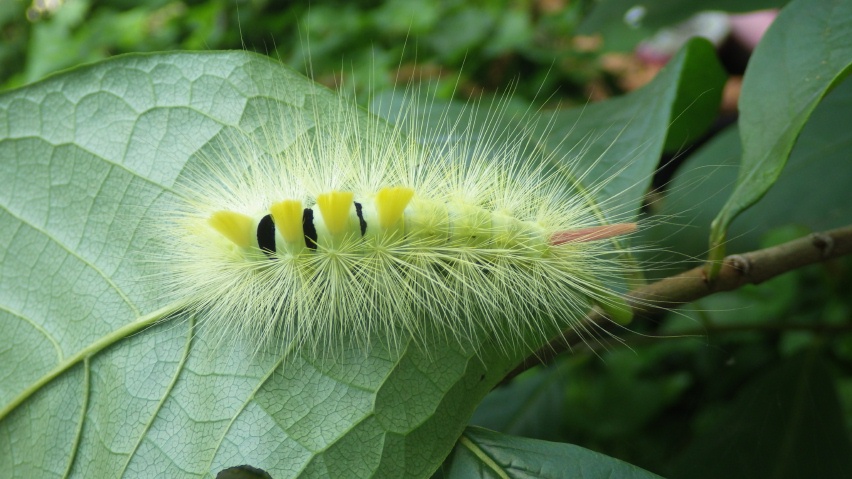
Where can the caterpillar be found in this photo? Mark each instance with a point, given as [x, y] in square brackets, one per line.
[310, 233]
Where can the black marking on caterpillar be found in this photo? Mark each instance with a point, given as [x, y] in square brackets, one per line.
[309, 229]
[359, 211]
[266, 236]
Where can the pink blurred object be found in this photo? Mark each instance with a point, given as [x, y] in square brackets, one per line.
[749, 28]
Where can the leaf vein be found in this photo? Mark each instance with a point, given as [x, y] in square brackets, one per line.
[85, 261]
[83, 411]
[166, 394]
[38, 328]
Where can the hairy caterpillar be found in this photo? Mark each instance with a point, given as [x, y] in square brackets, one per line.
[334, 228]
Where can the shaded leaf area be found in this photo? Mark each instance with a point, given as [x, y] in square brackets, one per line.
[754, 349]
[649, 404]
[532, 405]
[481, 453]
[805, 53]
[616, 403]
[812, 192]
[622, 31]
[785, 424]
[88, 157]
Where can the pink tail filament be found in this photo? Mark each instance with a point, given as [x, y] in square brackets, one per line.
[593, 233]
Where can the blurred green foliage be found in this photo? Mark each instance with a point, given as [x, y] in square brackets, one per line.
[461, 47]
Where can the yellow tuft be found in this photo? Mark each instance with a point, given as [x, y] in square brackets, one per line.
[287, 216]
[237, 227]
[334, 207]
[390, 203]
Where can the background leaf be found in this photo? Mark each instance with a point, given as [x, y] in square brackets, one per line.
[481, 453]
[618, 141]
[784, 424]
[625, 136]
[806, 52]
[811, 192]
[529, 406]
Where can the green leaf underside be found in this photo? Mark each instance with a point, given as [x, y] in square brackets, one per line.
[804, 54]
[90, 391]
[481, 453]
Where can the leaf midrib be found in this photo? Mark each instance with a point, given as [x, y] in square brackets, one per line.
[483, 456]
[92, 349]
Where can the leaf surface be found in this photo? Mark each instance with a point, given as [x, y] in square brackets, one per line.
[94, 386]
[622, 138]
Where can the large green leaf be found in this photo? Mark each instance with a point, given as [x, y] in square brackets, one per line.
[805, 53]
[481, 453]
[95, 385]
[88, 390]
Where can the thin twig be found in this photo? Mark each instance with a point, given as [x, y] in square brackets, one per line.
[737, 271]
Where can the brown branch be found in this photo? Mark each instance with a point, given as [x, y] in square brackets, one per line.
[737, 270]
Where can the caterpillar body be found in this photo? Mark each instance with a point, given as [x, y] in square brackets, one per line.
[350, 230]
[289, 230]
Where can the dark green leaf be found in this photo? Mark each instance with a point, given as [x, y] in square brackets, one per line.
[481, 453]
[624, 137]
[618, 142]
[812, 191]
[532, 405]
[805, 53]
[785, 424]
